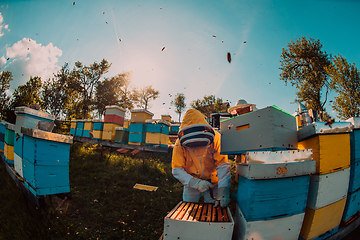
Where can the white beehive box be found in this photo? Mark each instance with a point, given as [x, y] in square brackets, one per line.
[196, 221]
[28, 117]
[280, 228]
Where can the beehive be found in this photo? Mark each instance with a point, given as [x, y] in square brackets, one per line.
[2, 136]
[121, 135]
[140, 115]
[166, 118]
[352, 206]
[329, 188]
[354, 183]
[269, 128]
[273, 189]
[137, 133]
[46, 162]
[79, 128]
[18, 153]
[9, 143]
[108, 132]
[98, 125]
[331, 146]
[88, 127]
[174, 128]
[198, 221]
[280, 228]
[28, 117]
[322, 222]
[73, 125]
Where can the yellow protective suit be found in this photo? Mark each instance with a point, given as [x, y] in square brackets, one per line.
[205, 163]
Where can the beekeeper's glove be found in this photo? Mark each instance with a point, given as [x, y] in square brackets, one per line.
[223, 197]
[200, 185]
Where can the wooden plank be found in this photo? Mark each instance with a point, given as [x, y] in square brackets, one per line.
[188, 211]
[220, 216]
[182, 212]
[176, 213]
[193, 213]
[225, 215]
[208, 215]
[213, 213]
[198, 213]
[203, 213]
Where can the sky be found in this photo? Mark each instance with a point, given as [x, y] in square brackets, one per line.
[38, 37]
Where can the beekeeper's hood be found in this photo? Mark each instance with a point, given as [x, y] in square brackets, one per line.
[195, 130]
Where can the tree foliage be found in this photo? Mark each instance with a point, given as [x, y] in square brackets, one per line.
[209, 104]
[145, 95]
[179, 104]
[5, 78]
[303, 64]
[345, 80]
[88, 77]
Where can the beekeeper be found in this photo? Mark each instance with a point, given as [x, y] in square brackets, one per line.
[197, 162]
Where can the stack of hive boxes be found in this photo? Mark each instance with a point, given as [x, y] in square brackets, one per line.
[273, 176]
[329, 186]
[157, 133]
[31, 118]
[79, 128]
[352, 206]
[9, 143]
[137, 127]
[98, 126]
[114, 117]
[88, 127]
[2, 136]
[73, 124]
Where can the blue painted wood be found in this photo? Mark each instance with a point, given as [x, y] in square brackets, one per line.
[86, 133]
[272, 198]
[79, 132]
[352, 205]
[137, 127]
[47, 191]
[98, 126]
[80, 125]
[9, 137]
[174, 129]
[136, 137]
[157, 128]
[43, 152]
[354, 183]
[72, 131]
[18, 145]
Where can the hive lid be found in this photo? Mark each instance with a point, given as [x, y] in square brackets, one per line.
[141, 110]
[270, 157]
[323, 128]
[36, 133]
[33, 112]
[115, 107]
[355, 121]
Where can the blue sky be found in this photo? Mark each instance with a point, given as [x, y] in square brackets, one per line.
[39, 36]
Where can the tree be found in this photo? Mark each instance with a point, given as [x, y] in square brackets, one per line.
[59, 92]
[303, 64]
[5, 78]
[88, 77]
[345, 80]
[146, 94]
[209, 104]
[179, 103]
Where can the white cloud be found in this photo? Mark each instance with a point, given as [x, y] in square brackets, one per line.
[3, 26]
[27, 58]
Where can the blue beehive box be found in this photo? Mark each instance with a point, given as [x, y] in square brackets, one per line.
[354, 183]
[98, 125]
[263, 174]
[46, 162]
[137, 127]
[174, 129]
[2, 136]
[157, 126]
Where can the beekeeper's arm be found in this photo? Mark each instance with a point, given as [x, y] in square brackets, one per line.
[223, 173]
[178, 171]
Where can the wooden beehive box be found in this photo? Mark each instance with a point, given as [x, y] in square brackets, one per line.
[196, 221]
[121, 135]
[269, 128]
[88, 127]
[156, 139]
[166, 118]
[354, 183]
[79, 128]
[115, 110]
[331, 146]
[108, 132]
[46, 162]
[157, 126]
[140, 115]
[264, 173]
[18, 153]
[322, 222]
[137, 133]
[9, 143]
[329, 188]
[2, 135]
[98, 125]
[352, 206]
[280, 228]
[28, 117]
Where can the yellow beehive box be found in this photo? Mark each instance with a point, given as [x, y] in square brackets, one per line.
[88, 124]
[140, 115]
[110, 126]
[108, 135]
[73, 124]
[97, 134]
[166, 118]
[9, 151]
[126, 123]
[134, 143]
[330, 151]
[322, 220]
[157, 138]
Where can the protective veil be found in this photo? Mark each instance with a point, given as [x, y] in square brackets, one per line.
[201, 168]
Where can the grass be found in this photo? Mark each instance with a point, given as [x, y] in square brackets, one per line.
[103, 203]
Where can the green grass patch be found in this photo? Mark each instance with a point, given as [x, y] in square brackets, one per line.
[103, 203]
